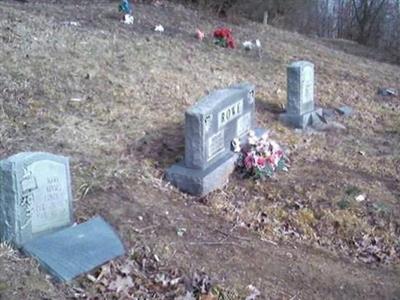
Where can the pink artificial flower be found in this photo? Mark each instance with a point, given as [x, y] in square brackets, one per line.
[261, 161]
[248, 161]
[271, 161]
[199, 34]
[279, 153]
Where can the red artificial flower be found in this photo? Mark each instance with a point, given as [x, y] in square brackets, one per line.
[225, 34]
[261, 161]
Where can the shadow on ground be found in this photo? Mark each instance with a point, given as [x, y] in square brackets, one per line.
[164, 146]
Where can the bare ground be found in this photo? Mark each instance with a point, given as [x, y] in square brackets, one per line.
[112, 97]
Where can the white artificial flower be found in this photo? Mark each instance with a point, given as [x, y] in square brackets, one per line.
[248, 45]
[159, 28]
[128, 19]
[265, 136]
[236, 145]
[252, 139]
[252, 133]
[275, 146]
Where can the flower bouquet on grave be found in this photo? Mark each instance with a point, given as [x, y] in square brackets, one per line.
[260, 158]
[224, 38]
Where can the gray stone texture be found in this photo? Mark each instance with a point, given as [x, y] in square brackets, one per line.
[35, 196]
[210, 127]
[201, 182]
[76, 250]
[300, 111]
[212, 123]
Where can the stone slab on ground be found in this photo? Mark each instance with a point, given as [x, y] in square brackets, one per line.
[304, 120]
[70, 252]
[345, 111]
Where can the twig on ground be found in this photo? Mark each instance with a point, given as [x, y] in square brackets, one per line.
[233, 236]
[211, 243]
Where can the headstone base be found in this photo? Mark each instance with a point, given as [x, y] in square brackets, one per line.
[302, 121]
[199, 182]
[78, 249]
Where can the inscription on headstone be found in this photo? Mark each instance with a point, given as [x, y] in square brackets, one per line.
[35, 195]
[210, 127]
[216, 144]
[300, 95]
[244, 124]
[50, 198]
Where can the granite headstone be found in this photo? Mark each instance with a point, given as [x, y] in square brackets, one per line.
[35, 196]
[301, 110]
[210, 127]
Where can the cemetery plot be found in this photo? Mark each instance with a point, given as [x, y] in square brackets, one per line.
[36, 206]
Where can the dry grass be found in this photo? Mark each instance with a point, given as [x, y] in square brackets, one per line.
[112, 97]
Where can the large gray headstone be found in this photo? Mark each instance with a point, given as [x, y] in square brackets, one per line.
[300, 110]
[210, 127]
[35, 196]
[213, 122]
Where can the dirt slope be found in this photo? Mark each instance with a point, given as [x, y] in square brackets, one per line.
[112, 97]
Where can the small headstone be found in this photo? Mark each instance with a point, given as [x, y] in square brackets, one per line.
[301, 111]
[35, 196]
[387, 92]
[265, 17]
[36, 215]
[210, 127]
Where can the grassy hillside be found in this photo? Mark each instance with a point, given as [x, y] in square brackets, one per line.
[113, 96]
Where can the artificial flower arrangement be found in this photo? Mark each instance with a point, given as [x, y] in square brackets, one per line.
[261, 157]
[223, 37]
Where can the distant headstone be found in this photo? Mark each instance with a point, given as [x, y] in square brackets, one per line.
[387, 92]
[265, 17]
[35, 196]
[210, 127]
[300, 110]
[36, 215]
